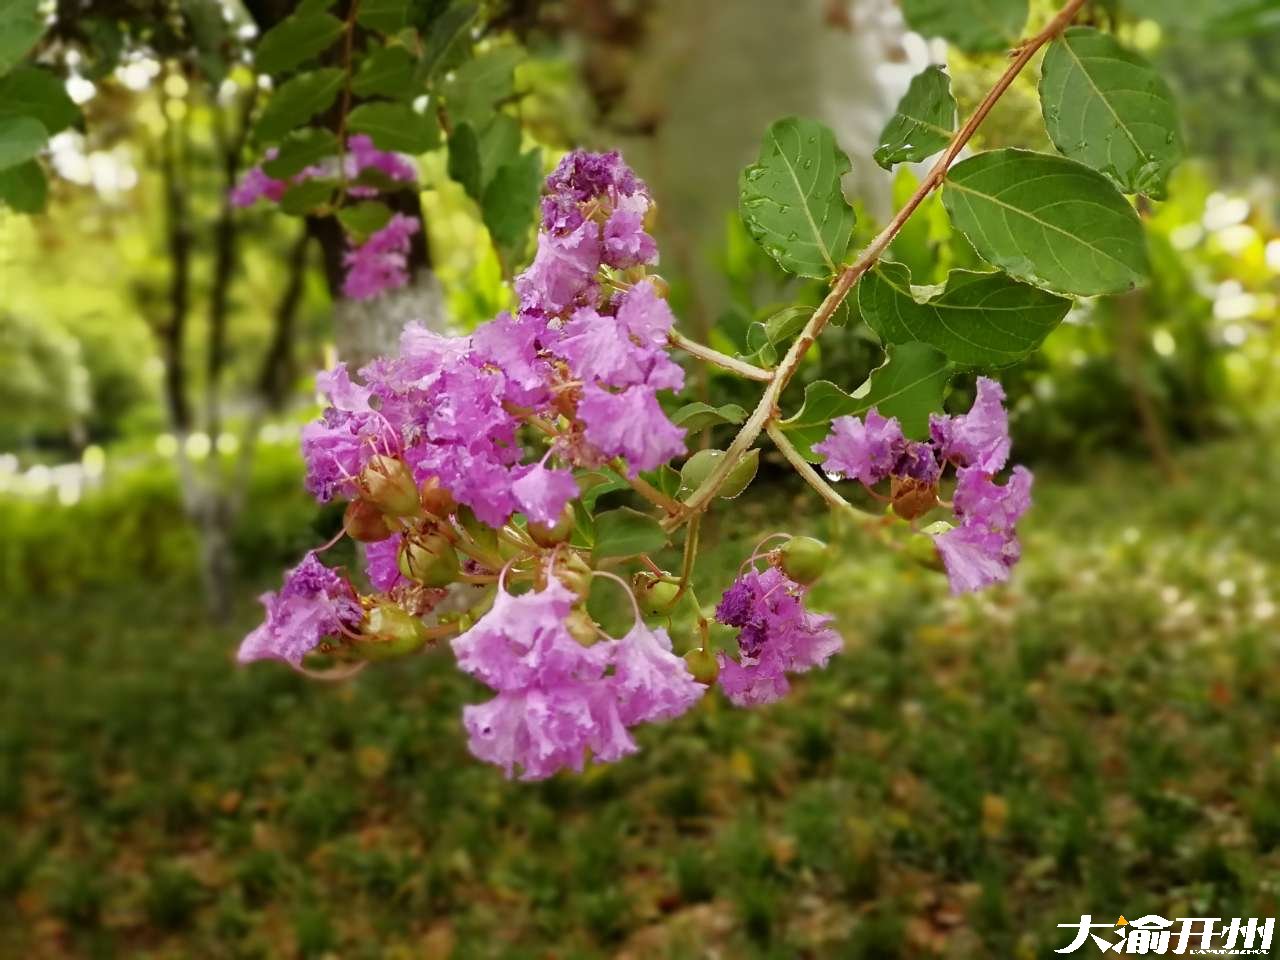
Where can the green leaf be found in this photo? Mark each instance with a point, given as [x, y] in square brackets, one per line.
[386, 72]
[364, 218]
[625, 532]
[477, 85]
[978, 320]
[923, 123]
[464, 160]
[1109, 108]
[790, 199]
[1047, 220]
[295, 39]
[786, 323]
[395, 126]
[20, 27]
[21, 138]
[594, 484]
[297, 101]
[299, 150]
[23, 188]
[975, 26]
[908, 385]
[385, 16]
[510, 201]
[442, 40]
[40, 94]
[308, 196]
[698, 415]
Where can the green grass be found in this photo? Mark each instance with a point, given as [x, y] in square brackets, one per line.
[1098, 738]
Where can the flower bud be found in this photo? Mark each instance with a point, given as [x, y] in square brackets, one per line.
[390, 631]
[388, 484]
[655, 596]
[912, 498]
[435, 499]
[581, 627]
[575, 574]
[559, 532]
[430, 560]
[702, 664]
[699, 466]
[804, 559]
[923, 550]
[365, 522]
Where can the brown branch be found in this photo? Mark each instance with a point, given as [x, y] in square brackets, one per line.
[178, 234]
[767, 409]
[277, 363]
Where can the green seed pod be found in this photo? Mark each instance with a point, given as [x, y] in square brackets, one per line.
[702, 664]
[804, 559]
[390, 631]
[430, 560]
[581, 627]
[365, 522]
[388, 484]
[575, 574]
[558, 532]
[699, 466]
[655, 596]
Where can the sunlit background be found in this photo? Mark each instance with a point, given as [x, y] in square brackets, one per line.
[1100, 736]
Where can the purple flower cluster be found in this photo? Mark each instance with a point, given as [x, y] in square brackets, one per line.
[380, 262]
[776, 636]
[315, 602]
[983, 548]
[557, 699]
[450, 407]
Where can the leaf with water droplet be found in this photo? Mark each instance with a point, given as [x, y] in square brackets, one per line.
[1109, 108]
[791, 202]
[975, 26]
[924, 122]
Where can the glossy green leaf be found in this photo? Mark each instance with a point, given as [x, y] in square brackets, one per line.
[790, 199]
[1109, 108]
[299, 150]
[510, 202]
[786, 323]
[362, 219]
[464, 160]
[625, 532]
[395, 126]
[924, 122]
[445, 37]
[23, 188]
[908, 385]
[296, 39]
[385, 16]
[41, 94]
[387, 72]
[20, 27]
[698, 415]
[1047, 220]
[978, 320]
[296, 101]
[307, 197]
[975, 26]
[478, 84]
[21, 138]
[594, 484]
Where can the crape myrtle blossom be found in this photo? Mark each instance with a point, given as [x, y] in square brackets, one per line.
[379, 263]
[983, 547]
[776, 636]
[556, 700]
[315, 602]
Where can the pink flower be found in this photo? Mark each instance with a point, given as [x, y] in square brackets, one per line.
[381, 262]
[630, 424]
[314, 603]
[563, 271]
[979, 438]
[862, 450]
[650, 681]
[542, 494]
[381, 563]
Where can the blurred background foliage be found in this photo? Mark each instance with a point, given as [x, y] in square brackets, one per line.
[969, 774]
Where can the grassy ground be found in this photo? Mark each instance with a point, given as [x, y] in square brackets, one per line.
[1100, 738]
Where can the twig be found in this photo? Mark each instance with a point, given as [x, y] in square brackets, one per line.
[740, 367]
[811, 476]
[767, 409]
